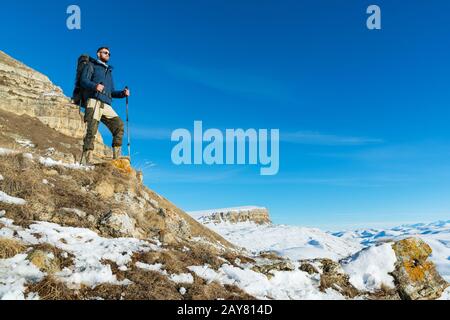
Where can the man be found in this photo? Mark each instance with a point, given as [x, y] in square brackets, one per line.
[98, 92]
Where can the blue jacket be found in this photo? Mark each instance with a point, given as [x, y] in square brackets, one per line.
[94, 73]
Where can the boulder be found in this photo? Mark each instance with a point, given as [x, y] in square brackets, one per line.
[334, 277]
[415, 275]
[268, 269]
[122, 165]
[308, 268]
[105, 190]
[120, 224]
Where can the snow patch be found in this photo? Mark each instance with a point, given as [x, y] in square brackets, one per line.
[369, 269]
[14, 274]
[25, 143]
[182, 278]
[157, 267]
[49, 162]
[77, 212]
[284, 285]
[185, 278]
[89, 250]
[6, 152]
[11, 200]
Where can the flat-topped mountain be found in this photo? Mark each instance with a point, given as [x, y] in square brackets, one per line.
[258, 215]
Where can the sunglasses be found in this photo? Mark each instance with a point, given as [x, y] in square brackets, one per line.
[105, 52]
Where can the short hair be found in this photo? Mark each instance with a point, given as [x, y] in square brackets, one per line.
[101, 48]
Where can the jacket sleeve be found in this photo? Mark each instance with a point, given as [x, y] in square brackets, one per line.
[85, 80]
[116, 94]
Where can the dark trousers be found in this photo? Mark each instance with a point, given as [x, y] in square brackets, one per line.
[115, 126]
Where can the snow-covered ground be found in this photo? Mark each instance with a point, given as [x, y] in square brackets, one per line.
[289, 241]
[436, 235]
[284, 285]
[307, 243]
[87, 248]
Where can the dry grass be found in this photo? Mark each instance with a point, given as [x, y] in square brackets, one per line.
[20, 177]
[384, 293]
[147, 285]
[9, 248]
[43, 137]
[65, 260]
[51, 289]
[175, 260]
[22, 215]
[201, 290]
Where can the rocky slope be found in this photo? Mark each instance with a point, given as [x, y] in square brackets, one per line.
[75, 232]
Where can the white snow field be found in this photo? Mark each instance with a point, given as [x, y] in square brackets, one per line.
[436, 235]
[296, 242]
[288, 241]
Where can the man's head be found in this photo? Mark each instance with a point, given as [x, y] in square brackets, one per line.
[103, 54]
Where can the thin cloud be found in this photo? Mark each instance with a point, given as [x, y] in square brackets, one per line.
[143, 133]
[414, 153]
[299, 137]
[317, 138]
[179, 176]
[231, 81]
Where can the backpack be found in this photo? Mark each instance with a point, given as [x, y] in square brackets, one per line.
[77, 96]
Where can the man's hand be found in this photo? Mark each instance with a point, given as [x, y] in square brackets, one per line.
[126, 92]
[100, 87]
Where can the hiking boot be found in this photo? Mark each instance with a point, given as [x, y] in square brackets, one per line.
[117, 153]
[87, 158]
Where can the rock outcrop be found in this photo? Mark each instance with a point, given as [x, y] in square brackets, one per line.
[26, 91]
[415, 275]
[257, 215]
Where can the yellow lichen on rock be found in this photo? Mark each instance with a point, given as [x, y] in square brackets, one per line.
[413, 249]
[416, 276]
[122, 165]
[416, 272]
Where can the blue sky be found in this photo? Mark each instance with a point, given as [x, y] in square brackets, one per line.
[363, 115]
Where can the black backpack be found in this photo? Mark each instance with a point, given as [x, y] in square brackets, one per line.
[77, 96]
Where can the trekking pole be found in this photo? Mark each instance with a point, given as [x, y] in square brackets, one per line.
[128, 130]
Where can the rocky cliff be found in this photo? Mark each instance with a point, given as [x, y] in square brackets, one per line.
[26, 91]
[257, 215]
